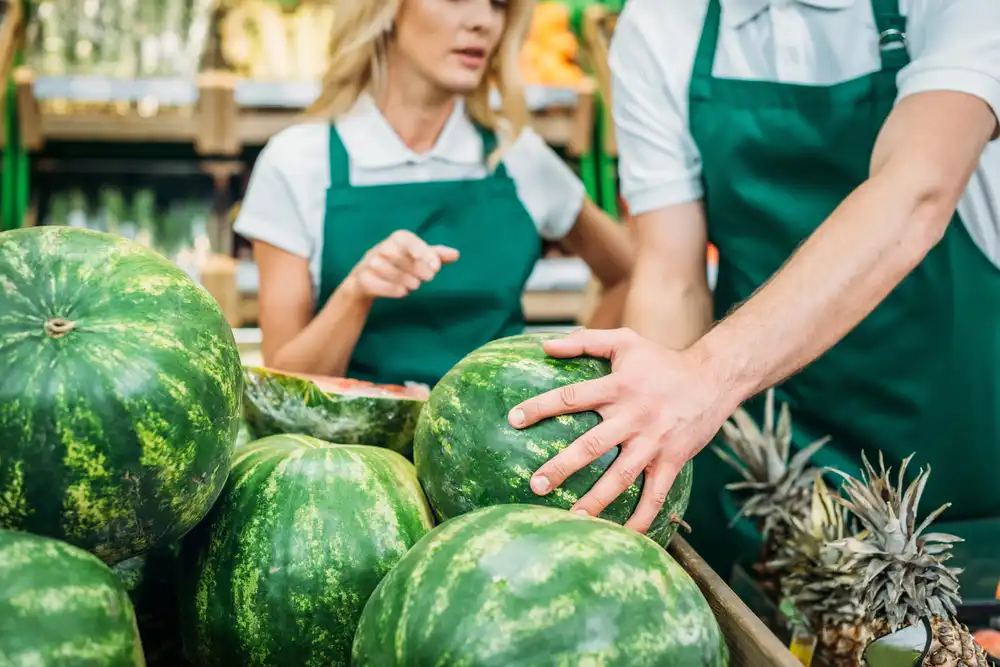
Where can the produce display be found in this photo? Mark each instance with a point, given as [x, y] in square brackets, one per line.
[777, 485]
[900, 575]
[500, 584]
[62, 607]
[118, 39]
[279, 572]
[468, 456]
[269, 40]
[349, 412]
[120, 397]
[551, 48]
[179, 230]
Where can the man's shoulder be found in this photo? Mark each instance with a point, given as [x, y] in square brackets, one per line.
[662, 34]
[664, 18]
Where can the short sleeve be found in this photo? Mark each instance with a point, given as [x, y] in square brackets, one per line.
[955, 45]
[272, 210]
[659, 163]
[548, 188]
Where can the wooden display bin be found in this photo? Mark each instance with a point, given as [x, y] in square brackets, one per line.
[563, 117]
[598, 28]
[83, 108]
[751, 643]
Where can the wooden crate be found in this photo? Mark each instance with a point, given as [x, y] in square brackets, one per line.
[598, 28]
[105, 109]
[751, 643]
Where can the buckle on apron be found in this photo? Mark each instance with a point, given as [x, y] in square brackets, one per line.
[892, 39]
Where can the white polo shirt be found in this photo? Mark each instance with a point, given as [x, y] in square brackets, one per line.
[953, 45]
[285, 202]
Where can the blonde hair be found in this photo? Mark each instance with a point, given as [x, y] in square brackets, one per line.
[357, 56]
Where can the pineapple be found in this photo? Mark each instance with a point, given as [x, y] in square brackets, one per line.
[778, 486]
[820, 579]
[902, 577]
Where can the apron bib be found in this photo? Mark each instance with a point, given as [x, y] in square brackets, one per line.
[920, 374]
[468, 303]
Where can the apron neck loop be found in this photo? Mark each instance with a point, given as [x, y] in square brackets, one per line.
[340, 163]
[892, 43]
[704, 60]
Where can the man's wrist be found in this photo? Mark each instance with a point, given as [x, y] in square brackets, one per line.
[730, 371]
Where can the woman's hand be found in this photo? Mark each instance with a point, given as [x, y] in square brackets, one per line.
[661, 406]
[397, 266]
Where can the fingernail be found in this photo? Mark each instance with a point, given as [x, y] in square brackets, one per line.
[540, 484]
[581, 512]
[516, 417]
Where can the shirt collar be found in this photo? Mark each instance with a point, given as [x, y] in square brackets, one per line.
[373, 144]
[737, 12]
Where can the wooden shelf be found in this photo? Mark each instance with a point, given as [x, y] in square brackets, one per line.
[182, 111]
[10, 38]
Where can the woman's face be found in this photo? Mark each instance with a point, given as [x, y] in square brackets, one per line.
[448, 42]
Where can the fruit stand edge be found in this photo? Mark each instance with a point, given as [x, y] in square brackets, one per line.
[751, 643]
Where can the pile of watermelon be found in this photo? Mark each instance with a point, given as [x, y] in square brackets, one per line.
[161, 504]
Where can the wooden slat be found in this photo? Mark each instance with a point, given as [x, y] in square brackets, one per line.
[751, 643]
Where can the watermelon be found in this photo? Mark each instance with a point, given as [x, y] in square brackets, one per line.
[62, 607]
[339, 410]
[529, 585]
[280, 570]
[120, 394]
[468, 456]
[151, 583]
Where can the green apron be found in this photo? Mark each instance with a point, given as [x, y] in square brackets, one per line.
[469, 303]
[920, 374]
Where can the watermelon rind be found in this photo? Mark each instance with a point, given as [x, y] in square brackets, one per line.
[278, 573]
[62, 607]
[468, 456]
[526, 585]
[120, 393]
[382, 416]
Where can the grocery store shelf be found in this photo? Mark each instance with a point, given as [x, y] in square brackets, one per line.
[126, 110]
[598, 28]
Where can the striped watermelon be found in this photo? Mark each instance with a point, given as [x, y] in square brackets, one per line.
[528, 585]
[62, 607]
[120, 392]
[280, 570]
[468, 456]
[339, 410]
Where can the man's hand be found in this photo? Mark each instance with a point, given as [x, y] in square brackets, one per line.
[661, 406]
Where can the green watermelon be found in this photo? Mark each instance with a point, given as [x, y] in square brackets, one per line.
[62, 607]
[151, 583]
[245, 435]
[468, 456]
[528, 585]
[120, 395]
[340, 410]
[280, 570]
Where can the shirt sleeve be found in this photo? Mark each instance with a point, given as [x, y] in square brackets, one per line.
[271, 210]
[552, 194]
[955, 45]
[658, 160]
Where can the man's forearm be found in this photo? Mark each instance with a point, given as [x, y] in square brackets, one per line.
[673, 315]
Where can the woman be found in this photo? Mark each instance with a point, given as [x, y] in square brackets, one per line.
[399, 238]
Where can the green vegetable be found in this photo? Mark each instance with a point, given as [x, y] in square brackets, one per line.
[120, 393]
[468, 456]
[528, 585]
[62, 607]
[278, 573]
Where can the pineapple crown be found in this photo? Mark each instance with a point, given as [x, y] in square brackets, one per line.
[820, 578]
[762, 459]
[905, 577]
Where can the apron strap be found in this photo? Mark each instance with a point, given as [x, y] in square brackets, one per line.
[704, 59]
[340, 163]
[893, 46]
[489, 138]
